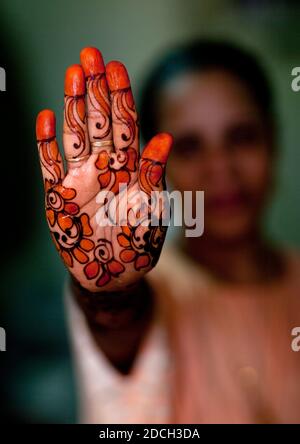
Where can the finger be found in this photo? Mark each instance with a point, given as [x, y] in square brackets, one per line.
[50, 157]
[97, 101]
[75, 135]
[153, 163]
[124, 116]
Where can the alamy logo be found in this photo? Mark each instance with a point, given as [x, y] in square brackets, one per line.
[296, 341]
[2, 339]
[2, 79]
[136, 208]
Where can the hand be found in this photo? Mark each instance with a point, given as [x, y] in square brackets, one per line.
[101, 146]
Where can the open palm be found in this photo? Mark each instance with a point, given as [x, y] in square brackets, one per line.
[105, 174]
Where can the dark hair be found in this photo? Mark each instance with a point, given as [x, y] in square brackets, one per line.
[202, 55]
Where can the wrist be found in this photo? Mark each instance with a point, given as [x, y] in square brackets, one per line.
[114, 310]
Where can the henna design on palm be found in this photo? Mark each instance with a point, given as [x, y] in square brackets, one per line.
[99, 107]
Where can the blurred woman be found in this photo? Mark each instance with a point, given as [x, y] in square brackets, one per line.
[216, 102]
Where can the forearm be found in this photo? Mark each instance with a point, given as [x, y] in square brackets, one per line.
[118, 321]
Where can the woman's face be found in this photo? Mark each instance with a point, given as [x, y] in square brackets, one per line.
[221, 146]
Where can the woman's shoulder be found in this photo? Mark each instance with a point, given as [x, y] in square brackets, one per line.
[292, 266]
[177, 275]
[292, 257]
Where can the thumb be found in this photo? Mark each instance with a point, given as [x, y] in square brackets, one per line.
[153, 162]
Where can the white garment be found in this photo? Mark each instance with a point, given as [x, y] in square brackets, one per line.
[107, 396]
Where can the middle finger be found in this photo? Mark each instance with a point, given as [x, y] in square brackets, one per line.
[97, 100]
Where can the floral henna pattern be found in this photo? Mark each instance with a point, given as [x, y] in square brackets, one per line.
[104, 265]
[140, 247]
[119, 167]
[69, 229]
[116, 168]
[97, 256]
[142, 244]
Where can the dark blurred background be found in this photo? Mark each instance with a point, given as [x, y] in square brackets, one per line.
[38, 40]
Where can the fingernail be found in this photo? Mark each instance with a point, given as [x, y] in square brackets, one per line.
[92, 61]
[117, 76]
[74, 81]
[45, 125]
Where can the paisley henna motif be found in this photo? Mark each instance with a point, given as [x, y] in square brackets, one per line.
[124, 114]
[50, 159]
[75, 121]
[99, 105]
[151, 175]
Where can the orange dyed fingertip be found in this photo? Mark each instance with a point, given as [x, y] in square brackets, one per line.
[74, 81]
[158, 149]
[117, 76]
[45, 125]
[92, 61]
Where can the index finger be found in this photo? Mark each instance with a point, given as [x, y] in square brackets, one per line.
[75, 135]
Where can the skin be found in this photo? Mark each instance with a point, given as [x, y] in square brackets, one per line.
[222, 145]
[99, 107]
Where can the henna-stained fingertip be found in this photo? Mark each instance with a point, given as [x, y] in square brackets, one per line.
[74, 81]
[117, 76]
[45, 125]
[158, 149]
[92, 61]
